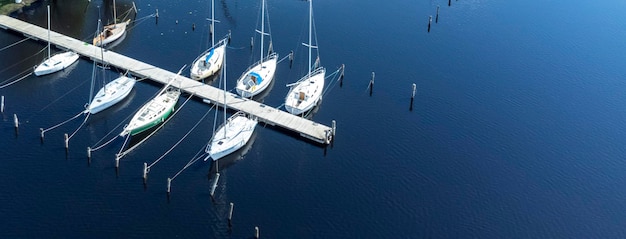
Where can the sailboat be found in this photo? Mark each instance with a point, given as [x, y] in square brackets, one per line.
[155, 111]
[211, 60]
[111, 93]
[58, 61]
[258, 76]
[111, 32]
[233, 134]
[306, 92]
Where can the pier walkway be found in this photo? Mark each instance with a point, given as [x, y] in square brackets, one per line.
[267, 114]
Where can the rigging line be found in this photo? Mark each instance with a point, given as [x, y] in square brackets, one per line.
[51, 103]
[181, 140]
[18, 42]
[81, 125]
[140, 20]
[64, 122]
[25, 59]
[15, 81]
[122, 154]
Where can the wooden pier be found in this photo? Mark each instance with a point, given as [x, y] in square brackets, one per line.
[306, 128]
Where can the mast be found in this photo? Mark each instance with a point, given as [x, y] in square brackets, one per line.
[262, 29]
[212, 23]
[104, 85]
[310, 26]
[225, 122]
[48, 31]
[114, 13]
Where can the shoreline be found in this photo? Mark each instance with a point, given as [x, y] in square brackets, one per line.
[12, 7]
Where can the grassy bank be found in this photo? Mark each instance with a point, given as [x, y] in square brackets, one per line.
[9, 6]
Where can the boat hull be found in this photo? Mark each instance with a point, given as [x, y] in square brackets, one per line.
[152, 113]
[56, 63]
[306, 93]
[111, 33]
[231, 136]
[203, 67]
[249, 83]
[115, 92]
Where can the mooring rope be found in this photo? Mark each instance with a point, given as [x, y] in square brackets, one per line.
[105, 144]
[23, 60]
[81, 125]
[191, 162]
[122, 154]
[181, 140]
[15, 81]
[285, 57]
[51, 103]
[64, 122]
[333, 81]
[18, 42]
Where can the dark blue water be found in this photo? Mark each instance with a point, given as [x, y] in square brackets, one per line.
[517, 128]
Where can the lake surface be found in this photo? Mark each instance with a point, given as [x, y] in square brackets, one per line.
[517, 128]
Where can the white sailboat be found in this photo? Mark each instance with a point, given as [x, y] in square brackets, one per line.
[57, 62]
[211, 60]
[111, 93]
[233, 134]
[155, 111]
[111, 32]
[306, 92]
[258, 76]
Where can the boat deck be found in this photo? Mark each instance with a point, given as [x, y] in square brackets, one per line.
[267, 114]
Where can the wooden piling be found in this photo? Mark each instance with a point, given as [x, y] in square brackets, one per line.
[169, 185]
[230, 214]
[412, 97]
[88, 152]
[117, 162]
[16, 121]
[256, 232]
[2, 104]
[145, 172]
[430, 19]
[214, 185]
[372, 83]
[42, 133]
[437, 17]
[449, 2]
[193, 26]
[343, 69]
[67, 141]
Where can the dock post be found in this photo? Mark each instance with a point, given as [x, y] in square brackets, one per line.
[89, 153]
[437, 17]
[117, 162]
[193, 26]
[251, 42]
[256, 232]
[449, 2]
[372, 83]
[41, 133]
[430, 19]
[290, 59]
[214, 185]
[145, 172]
[2, 104]
[169, 186]
[156, 16]
[67, 141]
[230, 215]
[229, 37]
